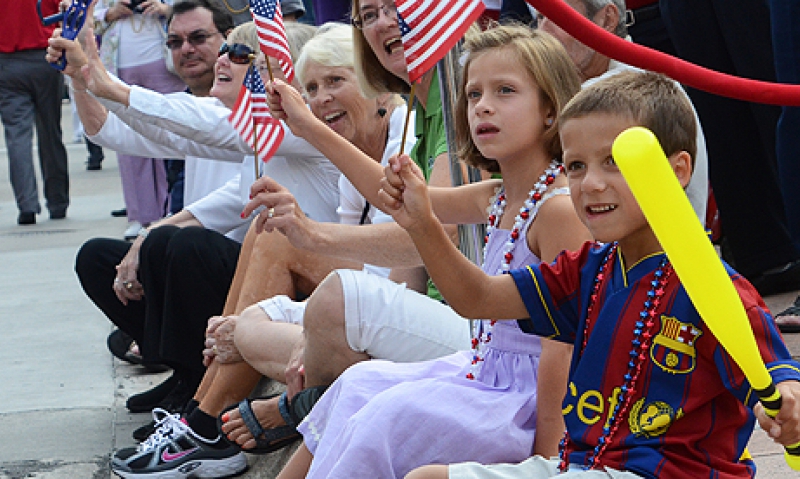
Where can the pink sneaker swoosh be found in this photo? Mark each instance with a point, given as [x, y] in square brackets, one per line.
[166, 456]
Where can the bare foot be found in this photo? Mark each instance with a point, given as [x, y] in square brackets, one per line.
[266, 410]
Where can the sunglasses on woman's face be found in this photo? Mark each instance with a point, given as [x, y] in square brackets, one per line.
[237, 53]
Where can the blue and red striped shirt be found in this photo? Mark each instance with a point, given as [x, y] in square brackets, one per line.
[690, 411]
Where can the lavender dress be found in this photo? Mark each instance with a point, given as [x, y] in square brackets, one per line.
[382, 419]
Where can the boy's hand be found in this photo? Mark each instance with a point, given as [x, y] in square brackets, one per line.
[785, 427]
[405, 194]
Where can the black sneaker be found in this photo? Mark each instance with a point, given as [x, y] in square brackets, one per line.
[26, 218]
[175, 451]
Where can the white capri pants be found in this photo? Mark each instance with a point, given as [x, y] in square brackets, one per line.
[536, 467]
[386, 320]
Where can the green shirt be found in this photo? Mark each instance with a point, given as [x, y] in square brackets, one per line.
[431, 142]
[429, 130]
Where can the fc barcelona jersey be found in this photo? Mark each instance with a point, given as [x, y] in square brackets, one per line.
[689, 411]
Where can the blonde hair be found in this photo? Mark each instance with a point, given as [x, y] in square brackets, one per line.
[649, 99]
[373, 78]
[244, 34]
[549, 67]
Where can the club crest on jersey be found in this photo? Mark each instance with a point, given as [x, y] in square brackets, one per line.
[652, 419]
[673, 347]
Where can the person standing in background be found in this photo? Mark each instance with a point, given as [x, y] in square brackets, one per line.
[291, 10]
[646, 27]
[786, 47]
[132, 47]
[31, 90]
[734, 37]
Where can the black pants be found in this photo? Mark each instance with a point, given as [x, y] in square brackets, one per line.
[186, 274]
[733, 36]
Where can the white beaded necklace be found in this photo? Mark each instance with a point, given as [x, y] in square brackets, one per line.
[481, 330]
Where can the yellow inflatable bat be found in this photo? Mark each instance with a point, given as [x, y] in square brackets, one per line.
[666, 207]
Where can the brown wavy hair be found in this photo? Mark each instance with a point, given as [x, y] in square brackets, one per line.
[549, 67]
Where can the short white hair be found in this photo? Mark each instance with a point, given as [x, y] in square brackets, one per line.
[332, 46]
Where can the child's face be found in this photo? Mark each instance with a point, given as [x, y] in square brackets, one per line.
[504, 108]
[602, 198]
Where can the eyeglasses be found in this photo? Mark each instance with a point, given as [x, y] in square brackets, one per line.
[237, 53]
[174, 42]
[370, 15]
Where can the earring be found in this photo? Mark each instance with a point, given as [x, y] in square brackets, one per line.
[548, 122]
[382, 112]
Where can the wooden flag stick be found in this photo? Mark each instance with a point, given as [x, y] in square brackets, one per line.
[408, 117]
[269, 69]
[255, 129]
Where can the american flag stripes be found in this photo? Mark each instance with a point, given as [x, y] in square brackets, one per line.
[251, 109]
[430, 28]
[272, 34]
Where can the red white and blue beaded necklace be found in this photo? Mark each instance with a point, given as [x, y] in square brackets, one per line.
[642, 335]
[482, 330]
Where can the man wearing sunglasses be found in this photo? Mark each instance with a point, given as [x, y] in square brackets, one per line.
[195, 32]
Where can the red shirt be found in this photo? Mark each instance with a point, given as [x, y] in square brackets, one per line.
[21, 27]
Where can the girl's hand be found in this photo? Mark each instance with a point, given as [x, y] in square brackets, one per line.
[288, 105]
[405, 194]
[785, 427]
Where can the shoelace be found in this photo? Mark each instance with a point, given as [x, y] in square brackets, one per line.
[167, 426]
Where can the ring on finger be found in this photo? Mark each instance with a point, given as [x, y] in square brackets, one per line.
[214, 349]
[128, 284]
[271, 213]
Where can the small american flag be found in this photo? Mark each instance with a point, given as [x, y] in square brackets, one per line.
[430, 28]
[272, 34]
[251, 108]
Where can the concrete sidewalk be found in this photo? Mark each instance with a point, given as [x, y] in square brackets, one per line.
[62, 395]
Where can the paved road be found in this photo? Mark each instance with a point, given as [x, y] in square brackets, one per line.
[61, 393]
